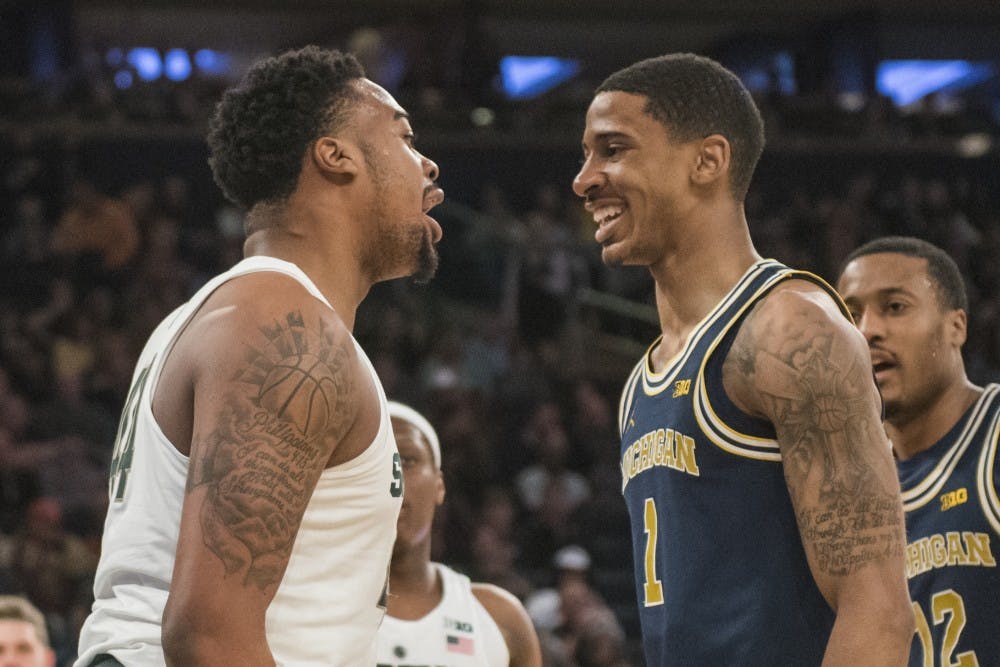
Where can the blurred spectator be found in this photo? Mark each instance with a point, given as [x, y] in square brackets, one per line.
[51, 568]
[97, 227]
[572, 612]
[495, 561]
[24, 640]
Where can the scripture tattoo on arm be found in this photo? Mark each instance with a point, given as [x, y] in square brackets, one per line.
[268, 447]
[817, 390]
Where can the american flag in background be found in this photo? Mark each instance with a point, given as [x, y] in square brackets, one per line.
[462, 645]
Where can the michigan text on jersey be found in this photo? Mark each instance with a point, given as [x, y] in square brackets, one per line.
[952, 548]
[662, 447]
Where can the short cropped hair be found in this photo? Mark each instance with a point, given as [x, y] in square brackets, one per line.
[262, 127]
[694, 97]
[941, 268]
[16, 608]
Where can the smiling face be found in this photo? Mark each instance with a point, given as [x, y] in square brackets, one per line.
[636, 181]
[402, 190]
[914, 340]
[423, 487]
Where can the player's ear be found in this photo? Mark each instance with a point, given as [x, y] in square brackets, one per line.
[335, 157]
[713, 159]
[956, 323]
[439, 491]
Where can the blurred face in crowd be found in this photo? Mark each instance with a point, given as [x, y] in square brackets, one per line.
[635, 180]
[914, 340]
[423, 487]
[21, 647]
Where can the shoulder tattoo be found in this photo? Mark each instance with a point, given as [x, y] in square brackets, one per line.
[269, 444]
[816, 389]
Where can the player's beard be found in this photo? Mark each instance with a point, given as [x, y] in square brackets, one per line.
[395, 245]
[427, 260]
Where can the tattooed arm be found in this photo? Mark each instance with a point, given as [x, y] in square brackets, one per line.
[260, 438]
[799, 363]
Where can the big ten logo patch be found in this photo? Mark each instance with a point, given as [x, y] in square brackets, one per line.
[954, 498]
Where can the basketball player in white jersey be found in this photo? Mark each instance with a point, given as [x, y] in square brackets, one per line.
[436, 616]
[255, 483]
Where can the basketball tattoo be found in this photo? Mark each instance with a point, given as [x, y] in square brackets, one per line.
[261, 461]
[817, 393]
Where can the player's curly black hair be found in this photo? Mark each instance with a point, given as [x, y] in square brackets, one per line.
[262, 127]
[695, 97]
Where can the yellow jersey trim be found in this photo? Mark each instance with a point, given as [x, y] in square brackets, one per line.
[930, 486]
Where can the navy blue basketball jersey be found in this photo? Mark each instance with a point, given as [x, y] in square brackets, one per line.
[952, 532]
[721, 573]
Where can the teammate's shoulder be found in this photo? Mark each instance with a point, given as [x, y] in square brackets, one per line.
[499, 602]
[513, 621]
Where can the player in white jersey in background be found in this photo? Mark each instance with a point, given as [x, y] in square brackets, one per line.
[436, 616]
[255, 483]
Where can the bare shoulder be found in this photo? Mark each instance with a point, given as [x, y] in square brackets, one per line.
[497, 601]
[514, 623]
[796, 338]
[276, 393]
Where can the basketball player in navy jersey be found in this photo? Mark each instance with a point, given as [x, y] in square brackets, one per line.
[766, 519]
[255, 483]
[909, 301]
[436, 616]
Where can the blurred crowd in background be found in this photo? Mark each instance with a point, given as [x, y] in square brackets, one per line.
[516, 352]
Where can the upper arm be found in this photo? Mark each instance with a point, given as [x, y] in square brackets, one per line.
[514, 623]
[274, 394]
[800, 364]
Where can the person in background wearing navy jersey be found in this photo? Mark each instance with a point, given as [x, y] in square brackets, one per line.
[909, 301]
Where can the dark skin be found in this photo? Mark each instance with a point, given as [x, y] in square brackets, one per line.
[796, 361]
[915, 342]
[414, 584]
[255, 452]
[231, 395]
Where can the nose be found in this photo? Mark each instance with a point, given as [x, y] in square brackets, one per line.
[587, 179]
[870, 325]
[430, 169]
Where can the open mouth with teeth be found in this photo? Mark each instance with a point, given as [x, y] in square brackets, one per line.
[881, 367]
[607, 214]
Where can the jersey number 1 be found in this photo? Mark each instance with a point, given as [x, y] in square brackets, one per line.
[652, 589]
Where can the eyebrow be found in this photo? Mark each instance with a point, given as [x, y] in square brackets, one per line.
[882, 293]
[609, 135]
[892, 291]
[400, 114]
[605, 137]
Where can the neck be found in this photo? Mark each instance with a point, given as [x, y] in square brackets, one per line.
[700, 268]
[298, 236]
[917, 432]
[414, 586]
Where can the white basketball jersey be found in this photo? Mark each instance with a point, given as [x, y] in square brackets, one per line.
[328, 606]
[459, 632]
